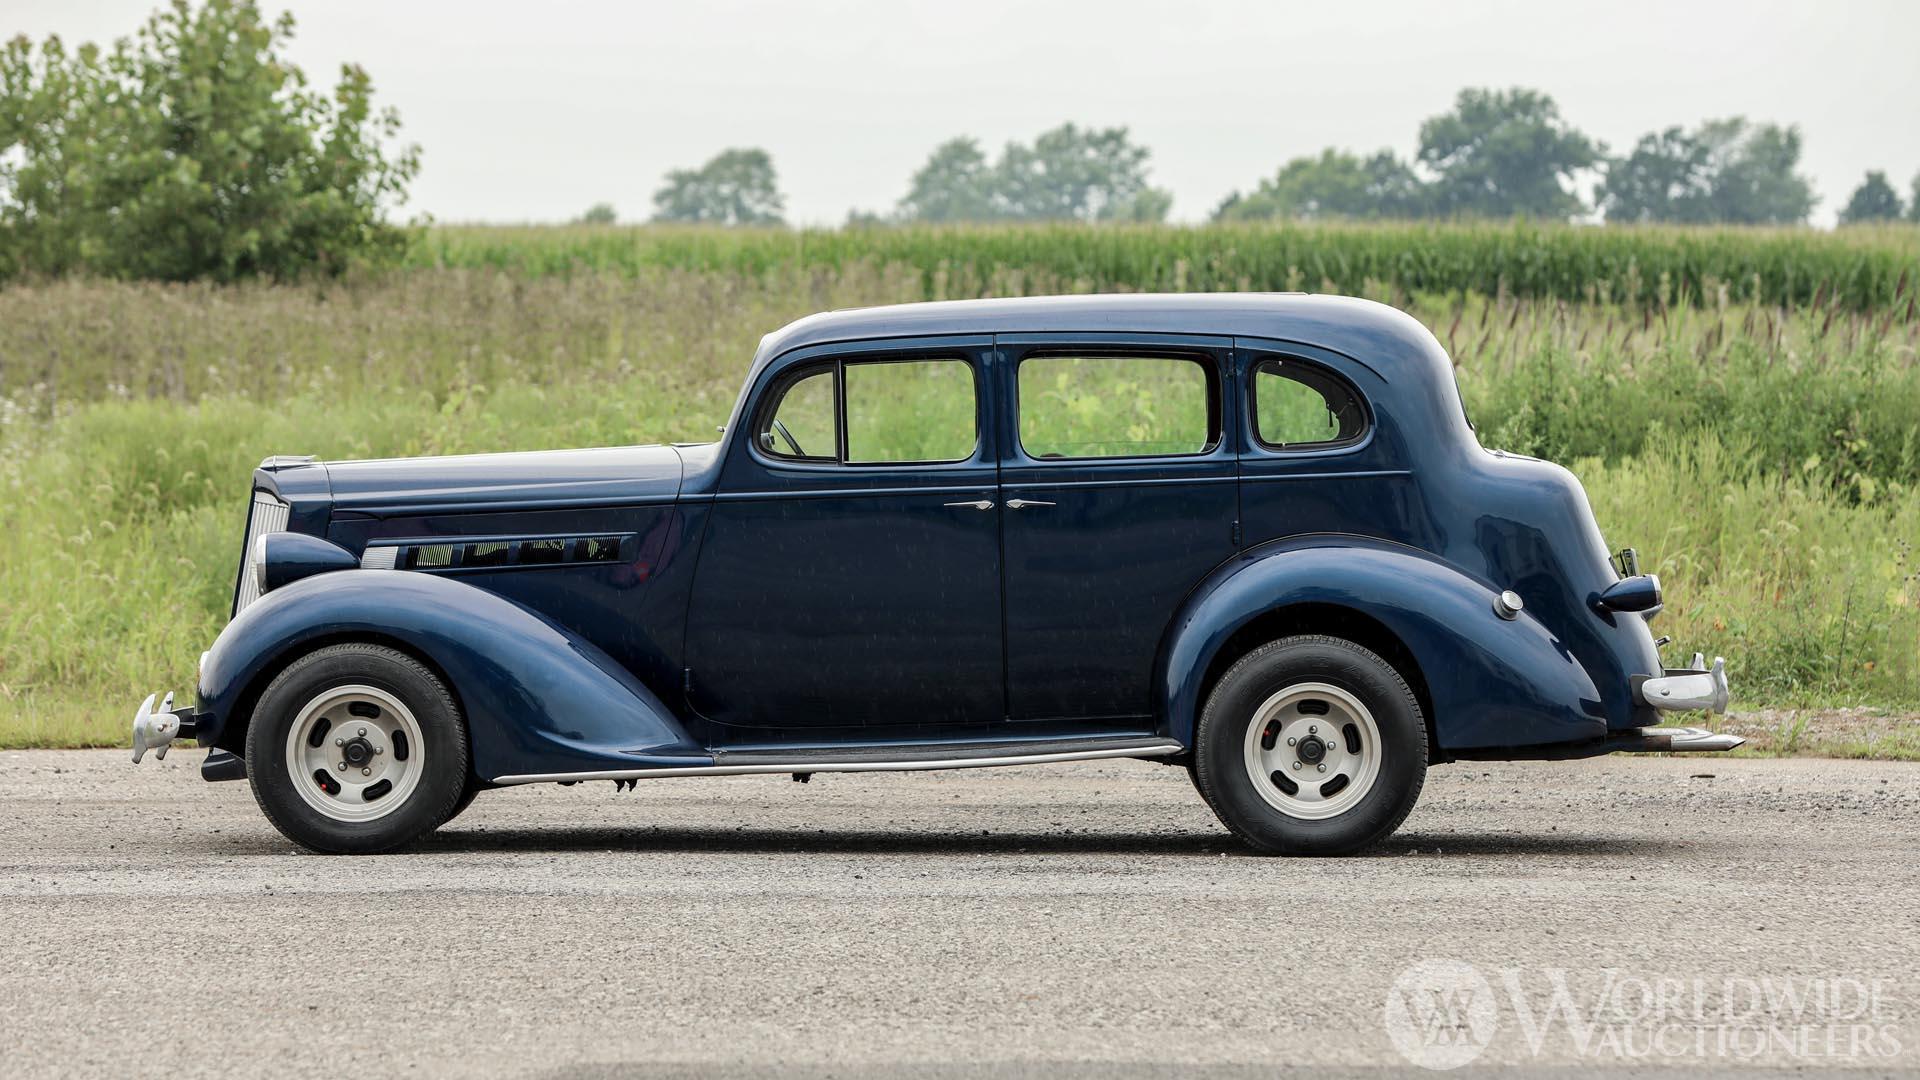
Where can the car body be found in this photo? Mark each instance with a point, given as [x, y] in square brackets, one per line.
[1025, 530]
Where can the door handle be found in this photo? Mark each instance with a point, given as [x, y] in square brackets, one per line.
[1022, 504]
[975, 504]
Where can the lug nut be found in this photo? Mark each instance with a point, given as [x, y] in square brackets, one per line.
[363, 731]
[369, 772]
[1323, 768]
[1312, 730]
[379, 749]
[339, 742]
[343, 766]
[1296, 764]
[1291, 740]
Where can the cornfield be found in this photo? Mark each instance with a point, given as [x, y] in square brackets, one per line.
[1861, 268]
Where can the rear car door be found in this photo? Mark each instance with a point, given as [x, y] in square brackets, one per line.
[1119, 490]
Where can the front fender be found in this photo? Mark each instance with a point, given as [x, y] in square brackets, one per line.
[537, 699]
[1493, 682]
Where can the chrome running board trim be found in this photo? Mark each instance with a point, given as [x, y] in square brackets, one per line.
[1160, 748]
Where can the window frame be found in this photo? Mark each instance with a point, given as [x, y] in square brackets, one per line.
[1205, 361]
[776, 393]
[1318, 371]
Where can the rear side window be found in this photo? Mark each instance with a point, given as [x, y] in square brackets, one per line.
[884, 412]
[1297, 406]
[1117, 406]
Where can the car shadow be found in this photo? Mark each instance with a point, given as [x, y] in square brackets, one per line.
[668, 839]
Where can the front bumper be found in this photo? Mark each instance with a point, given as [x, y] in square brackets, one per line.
[158, 729]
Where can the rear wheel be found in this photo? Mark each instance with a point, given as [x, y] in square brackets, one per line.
[355, 749]
[1311, 746]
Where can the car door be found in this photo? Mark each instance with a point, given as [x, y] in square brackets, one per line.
[850, 578]
[1118, 488]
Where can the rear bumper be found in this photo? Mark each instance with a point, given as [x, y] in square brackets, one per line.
[1677, 690]
[1646, 740]
[1685, 689]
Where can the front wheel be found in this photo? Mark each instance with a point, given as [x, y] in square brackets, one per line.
[1311, 746]
[356, 749]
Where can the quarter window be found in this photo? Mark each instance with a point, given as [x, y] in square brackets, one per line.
[876, 413]
[1117, 406]
[1297, 406]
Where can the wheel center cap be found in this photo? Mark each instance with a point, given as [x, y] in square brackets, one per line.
[1311, 750]
[357, 751]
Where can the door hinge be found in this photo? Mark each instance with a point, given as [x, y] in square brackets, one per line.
[686, 681]
[1236, 534]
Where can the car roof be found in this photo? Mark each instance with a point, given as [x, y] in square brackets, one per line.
[1382, 337]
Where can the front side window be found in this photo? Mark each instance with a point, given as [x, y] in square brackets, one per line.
[883, 412]
[803, 425]
[1297, 406]
[1117, 406]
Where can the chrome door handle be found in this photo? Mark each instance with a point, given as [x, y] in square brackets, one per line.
[975, 504]
[1022, 504]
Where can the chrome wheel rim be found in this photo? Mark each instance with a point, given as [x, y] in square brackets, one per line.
[354, 753]
[1313, 751]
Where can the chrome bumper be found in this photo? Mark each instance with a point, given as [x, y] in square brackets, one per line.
[1686, 689]
[156, 729]
[1678, 740]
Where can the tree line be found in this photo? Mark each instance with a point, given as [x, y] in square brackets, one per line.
[194, 149]
[1494, 154]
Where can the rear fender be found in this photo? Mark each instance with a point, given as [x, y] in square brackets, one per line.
[537, 699]
[1492, 681]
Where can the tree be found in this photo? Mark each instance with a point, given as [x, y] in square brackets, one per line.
[1666, 178]
[1873, 200]
[1073, 175]
[1724, 171]
[1503, 152]
[1067, 174]
[737, 187]
[192, 150]
[1913, 204]
[1750, 167]
[956, 184]
[1336, 184]
[599, 213]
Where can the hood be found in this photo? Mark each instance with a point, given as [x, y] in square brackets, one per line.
[521, 481]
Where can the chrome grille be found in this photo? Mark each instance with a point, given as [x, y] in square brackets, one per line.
[267, 515]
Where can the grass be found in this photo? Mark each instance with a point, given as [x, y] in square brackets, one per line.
[1762, 457]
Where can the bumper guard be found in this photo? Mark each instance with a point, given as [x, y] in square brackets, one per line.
[157, 729]
[1686, 689]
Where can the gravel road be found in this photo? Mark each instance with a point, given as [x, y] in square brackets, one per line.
[1083, 920]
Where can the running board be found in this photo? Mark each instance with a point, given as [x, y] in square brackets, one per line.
[882, 759]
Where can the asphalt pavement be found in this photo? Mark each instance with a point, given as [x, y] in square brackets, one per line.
[1087, 920]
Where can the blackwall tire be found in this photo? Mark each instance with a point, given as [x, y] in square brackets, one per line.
[1311, 745]
[356, 749]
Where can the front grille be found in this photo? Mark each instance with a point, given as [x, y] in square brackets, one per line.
[266, 515]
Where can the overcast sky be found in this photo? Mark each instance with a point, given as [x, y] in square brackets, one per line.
[533, 111]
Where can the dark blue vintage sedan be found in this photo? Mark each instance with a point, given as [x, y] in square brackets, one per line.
[1251, 535]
